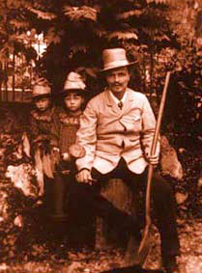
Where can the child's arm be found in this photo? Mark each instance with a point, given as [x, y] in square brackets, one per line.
[55, 132]
[37, 138]
[54, 139]
[33, 131]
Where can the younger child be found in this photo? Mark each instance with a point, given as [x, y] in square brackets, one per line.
[41, 119]
[63, 132]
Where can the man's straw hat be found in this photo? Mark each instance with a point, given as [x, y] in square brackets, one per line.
[115, 58]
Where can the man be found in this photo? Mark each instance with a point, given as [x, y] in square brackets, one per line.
[116, 130]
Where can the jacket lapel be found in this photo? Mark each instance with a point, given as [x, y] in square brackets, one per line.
[126, 105]
[111, 103]
[129, 100]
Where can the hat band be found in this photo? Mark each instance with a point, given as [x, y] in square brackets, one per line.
[36, 96]
[116, 64]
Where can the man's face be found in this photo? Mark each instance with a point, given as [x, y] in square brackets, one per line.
[117, 79]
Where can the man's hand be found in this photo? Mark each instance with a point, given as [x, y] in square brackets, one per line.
[84, 176]
[153, 159]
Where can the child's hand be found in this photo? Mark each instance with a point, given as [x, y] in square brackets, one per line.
[66, 157]
[55, 155]
[77, 151]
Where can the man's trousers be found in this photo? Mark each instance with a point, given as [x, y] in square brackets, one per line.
[162, 200]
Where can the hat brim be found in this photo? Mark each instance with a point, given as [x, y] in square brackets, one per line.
[41, 96]
[118, 66]
[65, 92]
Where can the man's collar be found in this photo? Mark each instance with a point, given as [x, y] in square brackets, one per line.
[116, 100]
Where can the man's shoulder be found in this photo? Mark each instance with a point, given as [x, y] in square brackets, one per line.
[97, 98]
[136, 94]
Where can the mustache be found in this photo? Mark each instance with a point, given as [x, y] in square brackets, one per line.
[116, 84]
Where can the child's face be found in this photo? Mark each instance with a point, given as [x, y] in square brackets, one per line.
[73, 101]
[42, 104]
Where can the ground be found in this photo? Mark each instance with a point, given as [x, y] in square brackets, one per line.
[41, 258]
[38, 257]
[95, 261]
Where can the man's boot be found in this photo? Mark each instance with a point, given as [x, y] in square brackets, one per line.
[170, 264]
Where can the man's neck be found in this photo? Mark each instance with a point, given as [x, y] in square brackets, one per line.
[119, 95]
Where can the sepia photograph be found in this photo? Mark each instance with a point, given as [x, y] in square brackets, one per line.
[100, 136]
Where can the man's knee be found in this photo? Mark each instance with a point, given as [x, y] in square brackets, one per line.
[161, 186]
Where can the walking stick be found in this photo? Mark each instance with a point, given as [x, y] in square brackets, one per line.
[144, 244]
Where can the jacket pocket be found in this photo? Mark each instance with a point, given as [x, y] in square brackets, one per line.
[136, 118]
[137, 124]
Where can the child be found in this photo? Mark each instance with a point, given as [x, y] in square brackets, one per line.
[40, 125]
[63, 132]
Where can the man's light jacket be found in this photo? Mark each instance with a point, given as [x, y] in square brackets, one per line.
[108, 133]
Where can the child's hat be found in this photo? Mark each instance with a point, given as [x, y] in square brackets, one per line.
[41, 88]
[75, 82]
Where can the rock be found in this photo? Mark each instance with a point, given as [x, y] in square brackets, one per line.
[18, 221]
[170, 165]
[22, 177]
[73, 267]
[181, 197]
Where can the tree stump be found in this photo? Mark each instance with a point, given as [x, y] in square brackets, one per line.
[117, 192]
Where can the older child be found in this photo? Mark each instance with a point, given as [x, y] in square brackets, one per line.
[41, 119]
[65, 125]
